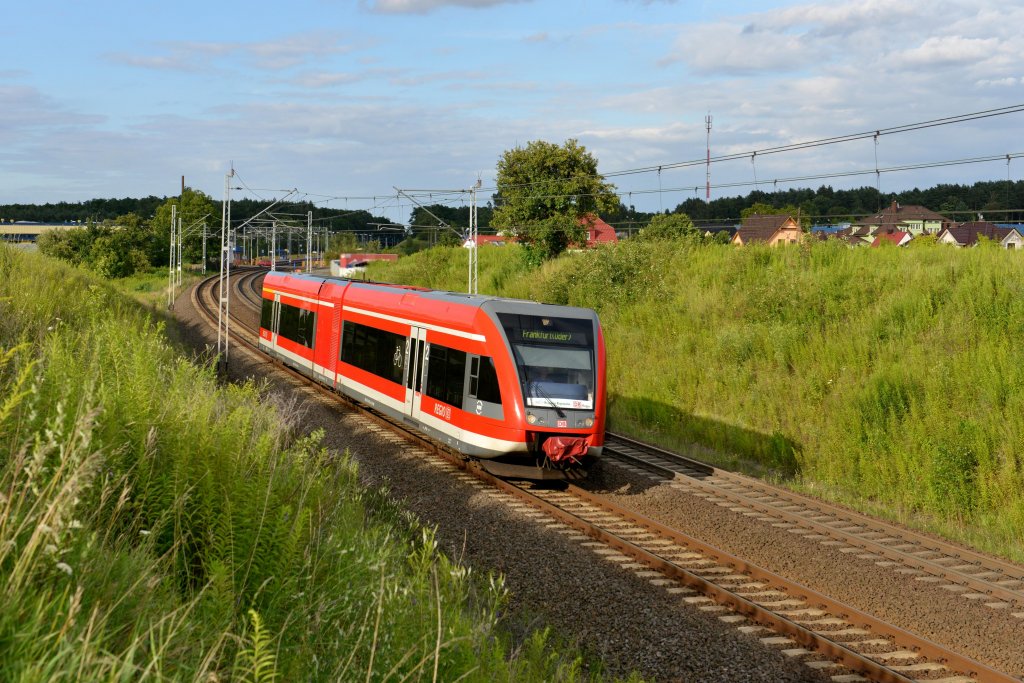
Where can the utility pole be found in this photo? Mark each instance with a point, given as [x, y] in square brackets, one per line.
[273, 246]
[707, 122]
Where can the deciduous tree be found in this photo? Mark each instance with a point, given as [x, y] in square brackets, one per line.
[193, 205]
[544, 190]
[668, 226]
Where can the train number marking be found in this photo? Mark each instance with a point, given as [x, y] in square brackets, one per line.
[443, 411]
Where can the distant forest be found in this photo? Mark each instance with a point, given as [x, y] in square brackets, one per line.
[997, 200]
[99, 210]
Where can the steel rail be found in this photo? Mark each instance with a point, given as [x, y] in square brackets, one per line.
[925, 647]
[907, 557]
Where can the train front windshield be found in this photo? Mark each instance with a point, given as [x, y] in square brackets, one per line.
[555, 359]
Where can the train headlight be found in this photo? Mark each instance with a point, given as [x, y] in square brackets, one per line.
[531, 418]
[589, 422]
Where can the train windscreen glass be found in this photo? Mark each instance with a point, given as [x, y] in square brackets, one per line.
[555, 359]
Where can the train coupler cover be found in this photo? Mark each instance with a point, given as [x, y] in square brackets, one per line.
[565, 449]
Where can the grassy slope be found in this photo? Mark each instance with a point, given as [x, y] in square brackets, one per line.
[156, 526]
[883, 377]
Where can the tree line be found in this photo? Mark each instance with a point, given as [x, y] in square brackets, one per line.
[545, 196]
[999, 200]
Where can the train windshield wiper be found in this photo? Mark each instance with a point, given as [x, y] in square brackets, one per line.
[543, 394]
[534, 385]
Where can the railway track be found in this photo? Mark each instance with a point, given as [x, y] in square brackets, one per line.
[837, 639]
[964, 572]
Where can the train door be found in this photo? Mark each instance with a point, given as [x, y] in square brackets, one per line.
[414, 355]
[276, 321]
[330, 363]
[268, 323]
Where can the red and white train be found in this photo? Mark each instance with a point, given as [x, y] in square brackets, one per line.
[519, 385]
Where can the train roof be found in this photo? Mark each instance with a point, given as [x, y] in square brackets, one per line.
[477, 301]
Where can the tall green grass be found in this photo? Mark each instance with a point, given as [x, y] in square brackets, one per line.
[883, 377]
[157, 526]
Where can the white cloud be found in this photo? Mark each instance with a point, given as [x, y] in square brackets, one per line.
[884, 35]
[425, 6]
[286, 52]
[1007, 82]
[733, 49]
[325, 79]
[938, 51]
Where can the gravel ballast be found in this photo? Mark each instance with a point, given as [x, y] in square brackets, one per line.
[991, 636]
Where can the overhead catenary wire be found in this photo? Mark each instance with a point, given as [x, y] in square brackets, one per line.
[383, 202]
[790, 147]
[803, 178]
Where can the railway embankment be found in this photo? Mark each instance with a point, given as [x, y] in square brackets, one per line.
[155, 524]
[886, 379]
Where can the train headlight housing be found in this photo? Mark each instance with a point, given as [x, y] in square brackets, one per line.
[588, 423]
[531, 418]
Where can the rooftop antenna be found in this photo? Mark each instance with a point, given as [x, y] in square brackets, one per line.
[707, 122]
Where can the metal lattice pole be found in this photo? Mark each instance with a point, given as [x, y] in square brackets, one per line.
[223, 294]
[170, 258]
[309, 241]
[180, 242]
[474, 234]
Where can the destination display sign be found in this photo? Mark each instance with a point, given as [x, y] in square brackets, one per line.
[540, 330]
[549, 336]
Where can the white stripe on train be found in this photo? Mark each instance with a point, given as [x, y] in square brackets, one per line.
[351, 386]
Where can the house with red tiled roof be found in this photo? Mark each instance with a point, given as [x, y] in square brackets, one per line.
[349, 264]
[900, 239]
[598, 232]
[481, 240]
[917, 220]
[968, 234]
[772, 229]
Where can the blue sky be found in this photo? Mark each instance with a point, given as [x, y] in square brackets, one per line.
[350, 98]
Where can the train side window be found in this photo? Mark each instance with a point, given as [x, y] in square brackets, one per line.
[376, 351]
[446, 374]
[483, 379]
[474, 375]
[267, 315]
[297, 324]
[488, 389]
[419, 368]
